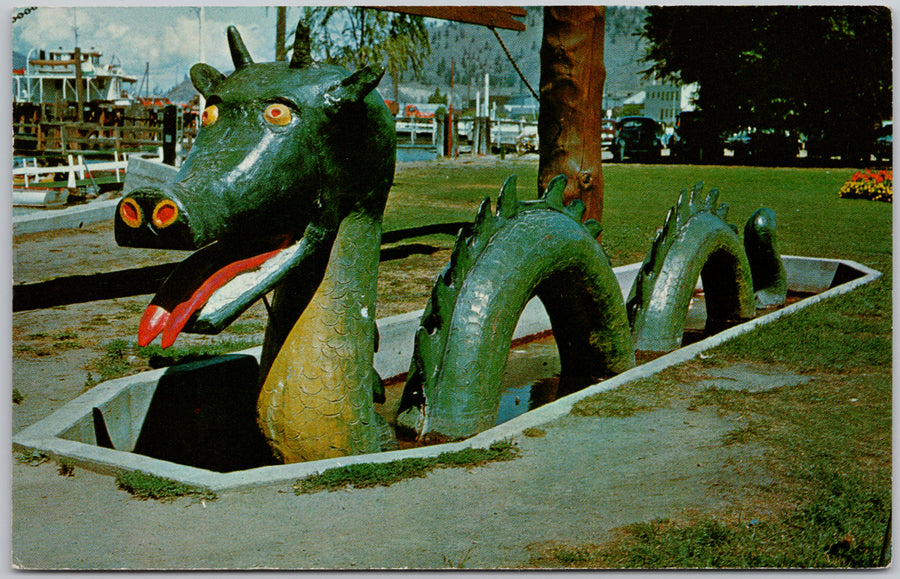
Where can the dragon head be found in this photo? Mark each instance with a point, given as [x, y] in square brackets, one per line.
[286, 151]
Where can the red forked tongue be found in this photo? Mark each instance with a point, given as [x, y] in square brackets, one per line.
[157, 319]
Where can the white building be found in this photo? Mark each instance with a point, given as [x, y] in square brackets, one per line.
[663, 102]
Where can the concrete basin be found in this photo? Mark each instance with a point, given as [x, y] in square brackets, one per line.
[195, 423]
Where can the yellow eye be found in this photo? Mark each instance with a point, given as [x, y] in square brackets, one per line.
[210, 114]
[278, 114]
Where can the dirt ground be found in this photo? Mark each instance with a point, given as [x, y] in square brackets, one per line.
[578, 483]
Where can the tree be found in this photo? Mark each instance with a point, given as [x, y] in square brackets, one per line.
[354, 37]
[437, 98]
[802, 69]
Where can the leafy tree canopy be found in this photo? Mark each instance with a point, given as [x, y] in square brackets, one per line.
[354, 37]
[797, 68]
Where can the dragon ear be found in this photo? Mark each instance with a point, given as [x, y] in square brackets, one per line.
[352, 89]
[205, 78]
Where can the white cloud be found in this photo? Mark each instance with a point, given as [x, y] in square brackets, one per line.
[166, 37]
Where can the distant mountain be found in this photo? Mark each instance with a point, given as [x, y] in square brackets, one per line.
[476, 51]
[182, 93]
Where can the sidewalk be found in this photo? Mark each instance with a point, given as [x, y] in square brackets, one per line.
[586, 477]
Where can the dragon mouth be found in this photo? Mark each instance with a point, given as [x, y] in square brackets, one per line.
[214, 285]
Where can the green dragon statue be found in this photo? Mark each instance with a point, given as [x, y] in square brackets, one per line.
[284, 189]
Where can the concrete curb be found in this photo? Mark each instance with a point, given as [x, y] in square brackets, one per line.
[69, 218]
[45, 435]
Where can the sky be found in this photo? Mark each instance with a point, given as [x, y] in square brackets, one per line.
[165, 36]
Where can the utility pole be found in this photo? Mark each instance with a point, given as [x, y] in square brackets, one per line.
[201, 18]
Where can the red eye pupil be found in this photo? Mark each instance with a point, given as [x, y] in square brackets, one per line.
[130, 212]
[275, 113]
[166, 214]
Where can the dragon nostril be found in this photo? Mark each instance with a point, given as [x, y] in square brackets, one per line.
[130, 212]
[165, 213]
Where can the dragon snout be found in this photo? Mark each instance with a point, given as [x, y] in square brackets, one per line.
[154, 218]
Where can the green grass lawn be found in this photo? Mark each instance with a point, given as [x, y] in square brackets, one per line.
[812, 220]
[828, 441]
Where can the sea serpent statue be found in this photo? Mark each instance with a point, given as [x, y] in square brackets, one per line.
[284, 189]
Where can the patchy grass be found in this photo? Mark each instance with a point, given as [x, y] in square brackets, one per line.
[17, 397]
[65, 467]
[159, 357]
[534, 432]
[123, 357]
[369, 475]
[845, 333]
[147, 486]
[250, 327]
[32, 457]
[842, 525]
[641, 395]
[829, 451]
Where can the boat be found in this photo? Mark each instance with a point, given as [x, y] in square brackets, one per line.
[53, 77]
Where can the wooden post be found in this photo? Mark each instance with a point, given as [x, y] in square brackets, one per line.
[79, 87]
[450, 134]
[439, 136]
[572, 76]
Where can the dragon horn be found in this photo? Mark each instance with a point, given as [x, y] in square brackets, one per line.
[239, 53]
[301, 58]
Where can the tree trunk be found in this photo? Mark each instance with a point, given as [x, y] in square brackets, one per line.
[280, 25]
[572, 76]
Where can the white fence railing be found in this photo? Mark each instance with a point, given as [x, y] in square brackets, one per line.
[503, 131]
[76, 169]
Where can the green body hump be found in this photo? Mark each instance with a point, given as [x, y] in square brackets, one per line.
[694, 243]
[525, 249]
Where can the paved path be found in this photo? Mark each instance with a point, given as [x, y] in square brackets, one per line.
[586, 477]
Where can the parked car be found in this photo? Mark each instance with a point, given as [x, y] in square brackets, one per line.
[739, 145]
[637, 138]
[607, 133]
[773, 147]
[850, 140]
[884, 143]
[695, 141]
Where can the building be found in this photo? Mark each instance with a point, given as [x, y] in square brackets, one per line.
[52, 76]
[663, 103]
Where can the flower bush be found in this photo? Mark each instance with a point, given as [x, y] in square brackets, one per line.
[872, 185]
